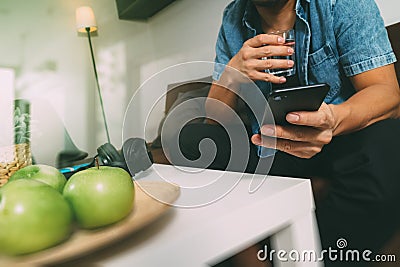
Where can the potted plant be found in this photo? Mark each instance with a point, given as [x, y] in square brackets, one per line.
[22, 134]
[21, 122]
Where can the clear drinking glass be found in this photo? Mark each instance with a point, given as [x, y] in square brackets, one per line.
[289, 36]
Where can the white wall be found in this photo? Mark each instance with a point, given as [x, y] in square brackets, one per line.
[53, 67]
[54, 71]
[389, 10]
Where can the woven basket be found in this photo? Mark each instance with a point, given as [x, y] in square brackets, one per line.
[22, 158]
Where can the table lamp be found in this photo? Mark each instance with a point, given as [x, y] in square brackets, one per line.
[86, 23]
[108, 154]
[135, 148]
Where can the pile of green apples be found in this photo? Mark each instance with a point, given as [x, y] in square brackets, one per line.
[39, 207]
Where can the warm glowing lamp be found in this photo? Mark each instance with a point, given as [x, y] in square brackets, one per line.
[85, 19]
[86, 22]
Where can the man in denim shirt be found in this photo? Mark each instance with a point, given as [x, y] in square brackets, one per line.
[352, 140]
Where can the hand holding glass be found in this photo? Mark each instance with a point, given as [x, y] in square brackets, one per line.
[289, 36]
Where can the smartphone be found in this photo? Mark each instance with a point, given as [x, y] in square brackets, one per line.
[301, 98]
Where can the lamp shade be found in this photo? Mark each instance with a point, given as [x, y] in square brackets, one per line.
[85, 19]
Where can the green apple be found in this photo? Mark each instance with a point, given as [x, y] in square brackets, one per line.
[43, 173]
[33, 216]
[100, 195]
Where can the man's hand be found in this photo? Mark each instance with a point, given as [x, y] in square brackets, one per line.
[249, 60]
[247, 64]
[310, 132]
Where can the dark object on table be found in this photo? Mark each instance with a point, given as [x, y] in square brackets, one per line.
[70, 157]
[133, 158]
[137, 155]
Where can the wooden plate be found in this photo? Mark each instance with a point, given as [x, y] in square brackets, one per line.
[82, 242]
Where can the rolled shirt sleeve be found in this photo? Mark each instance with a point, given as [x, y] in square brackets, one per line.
[361, 36]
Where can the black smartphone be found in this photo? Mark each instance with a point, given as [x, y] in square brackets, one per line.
[300, 98]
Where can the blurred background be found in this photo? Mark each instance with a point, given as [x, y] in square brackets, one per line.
[53, 70]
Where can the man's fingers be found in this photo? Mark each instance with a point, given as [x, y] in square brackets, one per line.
[264, 52]
[270, 64]
[297, 133]
[323, 118]
[272, 50]
[261, 75]
[265, 39]
[258, 69]
[298, 149]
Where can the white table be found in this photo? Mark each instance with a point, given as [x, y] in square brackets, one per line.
[281, 207]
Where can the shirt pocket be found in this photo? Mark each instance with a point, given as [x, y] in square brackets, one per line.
[324, 68]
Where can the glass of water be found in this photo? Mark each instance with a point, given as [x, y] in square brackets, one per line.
[289, 36]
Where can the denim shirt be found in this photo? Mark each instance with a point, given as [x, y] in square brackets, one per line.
[335, 39]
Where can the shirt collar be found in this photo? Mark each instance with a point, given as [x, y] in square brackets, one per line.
[251, 19]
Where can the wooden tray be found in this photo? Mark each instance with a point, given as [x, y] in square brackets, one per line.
[82, 242]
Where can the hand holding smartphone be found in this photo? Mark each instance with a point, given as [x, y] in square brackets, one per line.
[301, 98]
